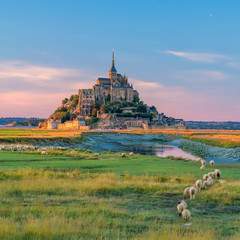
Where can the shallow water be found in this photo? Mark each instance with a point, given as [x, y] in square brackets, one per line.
[144, 144]
[150, 144]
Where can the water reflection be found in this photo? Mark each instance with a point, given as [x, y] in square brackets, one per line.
[142, 144]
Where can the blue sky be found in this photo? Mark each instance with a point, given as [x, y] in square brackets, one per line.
[182, 56]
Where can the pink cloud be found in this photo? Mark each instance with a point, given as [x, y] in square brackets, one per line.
[197, 57]
[178, 102]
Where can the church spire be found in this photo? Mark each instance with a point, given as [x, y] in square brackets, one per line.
[112, 57]
[112, 69]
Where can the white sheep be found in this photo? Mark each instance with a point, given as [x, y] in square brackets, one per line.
[205, 177]
[123, 155]
[186, 215]
[184, 203]
[131, 153]
[203, 162]
[217, 173]
[180, 208]
[186, 191]
[192, 192]
[210, 180]
[44, 153]
[202, 168]
[96, 154]
[199, 184]
[211, 163]
[211, 174]
[206, 184]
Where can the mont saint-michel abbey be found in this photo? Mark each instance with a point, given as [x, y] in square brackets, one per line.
[115, 88]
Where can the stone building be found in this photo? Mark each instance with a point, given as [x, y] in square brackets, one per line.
[114, 88]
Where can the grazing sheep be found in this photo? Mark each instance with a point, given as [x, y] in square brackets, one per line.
[192, 192]
[184, 203]
[199, 184]
[203, 162]
[202, 168]
[44, 153]
[205, 177]
[211, 163]
[186, 191]
[210, 180]
[211, 174]
[180, 208]
[217, 173]
[123, 155]
[96, 154]
[206, 184]
[186, 215]
[73, 152]
[131, 153]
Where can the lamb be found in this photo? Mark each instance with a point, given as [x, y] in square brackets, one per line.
[199, 184]
[186, 215]
[186, 191]
[217, 173]
[211, 163]
[123, 155]
[192, 192]
[180, 208]
[131, 153]
[202, 168]
[205, 177]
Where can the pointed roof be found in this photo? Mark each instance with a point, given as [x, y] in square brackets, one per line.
[113, 69]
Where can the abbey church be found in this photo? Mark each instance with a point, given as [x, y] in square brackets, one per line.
[114, 88]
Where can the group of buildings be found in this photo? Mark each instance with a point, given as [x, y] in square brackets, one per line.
[115, 88]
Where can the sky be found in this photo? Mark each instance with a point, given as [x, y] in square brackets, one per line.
[182, 56]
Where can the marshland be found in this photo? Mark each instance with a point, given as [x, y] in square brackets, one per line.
[74, 193]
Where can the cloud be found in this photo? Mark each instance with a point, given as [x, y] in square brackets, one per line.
[197, 57]
[34, 90]
[202, 75]
[234, 64]
[180, 102]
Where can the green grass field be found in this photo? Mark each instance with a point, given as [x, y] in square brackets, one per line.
[81, 196]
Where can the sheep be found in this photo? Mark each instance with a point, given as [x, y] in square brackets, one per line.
[217, 173]
[210, 180]
[186, 215]
[203, 162]
[180, 208]
[44, 153]
[96, 154]
[211, 163]
[205, 177]
[202, 168]
[131, 153]
[206, 184]
[192, 192]
[211, 174]
[184, 203]
[186, 191]
[123, 155]
[199, 184]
